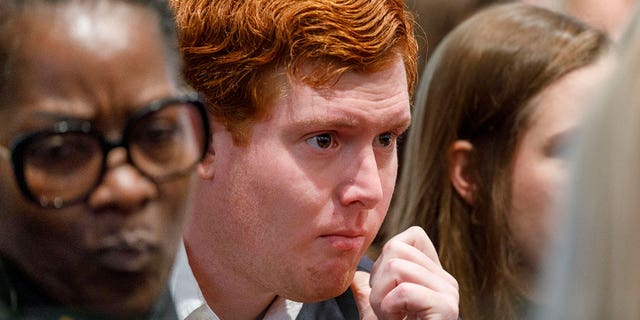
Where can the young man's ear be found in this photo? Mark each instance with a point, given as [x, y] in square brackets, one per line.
[461, 168]
[205, 168]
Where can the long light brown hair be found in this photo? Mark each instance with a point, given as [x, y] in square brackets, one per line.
[477, 88]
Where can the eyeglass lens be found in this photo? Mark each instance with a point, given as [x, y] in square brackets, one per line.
[61, 167]
[167, 142]
[64, 167]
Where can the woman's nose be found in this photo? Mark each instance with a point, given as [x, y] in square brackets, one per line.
[123, 186]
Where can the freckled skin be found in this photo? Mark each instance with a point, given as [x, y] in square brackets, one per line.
[317, 165]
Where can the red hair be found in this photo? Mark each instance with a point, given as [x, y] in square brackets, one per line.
[232, 48]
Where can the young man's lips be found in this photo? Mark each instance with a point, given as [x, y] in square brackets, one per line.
[344, 242]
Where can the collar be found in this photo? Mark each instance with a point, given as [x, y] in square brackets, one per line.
[185, 290]
[191, 305]
[283, 309]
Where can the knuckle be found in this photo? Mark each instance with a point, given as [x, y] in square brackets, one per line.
[391, 246]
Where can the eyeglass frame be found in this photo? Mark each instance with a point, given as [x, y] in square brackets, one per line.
[15, 154]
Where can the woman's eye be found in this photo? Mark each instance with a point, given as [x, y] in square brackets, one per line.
[322, 141]
[61, 152]
[160, 133]
[384, 140]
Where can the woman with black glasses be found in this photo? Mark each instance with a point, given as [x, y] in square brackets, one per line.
[97, 147]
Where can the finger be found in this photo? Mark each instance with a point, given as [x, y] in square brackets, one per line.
[396, 272]
[432, 305]
[416, 237]
[361, 292]
[396, 250]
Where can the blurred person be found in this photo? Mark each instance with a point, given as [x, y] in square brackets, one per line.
[592, 270]
[97, 150]
[611, 16]
[484, 156]
[306, 100]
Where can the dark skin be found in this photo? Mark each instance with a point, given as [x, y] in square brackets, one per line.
[102, 63]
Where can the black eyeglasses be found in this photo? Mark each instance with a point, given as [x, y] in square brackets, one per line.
[62, 165]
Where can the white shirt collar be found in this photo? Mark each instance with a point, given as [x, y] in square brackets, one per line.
[188, 297]
[283, 309]
[184, 288]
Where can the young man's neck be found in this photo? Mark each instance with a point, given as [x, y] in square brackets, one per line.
[228, 295]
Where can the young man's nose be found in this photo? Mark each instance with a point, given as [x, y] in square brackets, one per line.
[362, 184]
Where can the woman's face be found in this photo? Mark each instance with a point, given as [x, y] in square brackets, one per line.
[96, 61]
[540, 171]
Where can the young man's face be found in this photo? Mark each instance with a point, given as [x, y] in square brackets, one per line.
[292, 213]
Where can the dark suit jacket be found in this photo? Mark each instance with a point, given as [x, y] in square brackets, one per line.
[342, 307]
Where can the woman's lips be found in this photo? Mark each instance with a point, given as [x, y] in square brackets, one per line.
[124, 254]
[125, 259]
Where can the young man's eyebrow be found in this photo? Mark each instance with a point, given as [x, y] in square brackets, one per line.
[339, 123]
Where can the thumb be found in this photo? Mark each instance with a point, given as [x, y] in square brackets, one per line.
[361, 291]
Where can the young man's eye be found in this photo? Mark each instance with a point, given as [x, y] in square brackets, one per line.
[384, 140]
[322, 141]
